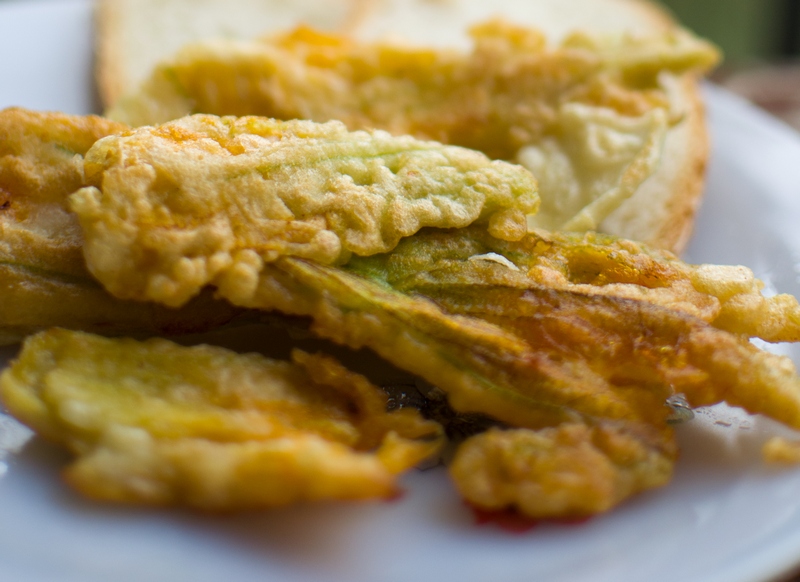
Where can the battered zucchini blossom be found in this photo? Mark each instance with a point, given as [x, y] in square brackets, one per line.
[163, 424]
[178, 206]
[43, 276]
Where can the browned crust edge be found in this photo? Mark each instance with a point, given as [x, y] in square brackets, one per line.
[109, 49]
[688, 187]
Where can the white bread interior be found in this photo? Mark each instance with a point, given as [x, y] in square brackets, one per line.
[134, 35]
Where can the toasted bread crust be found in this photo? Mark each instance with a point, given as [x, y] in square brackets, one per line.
[662, 211]
[109, 58]
[688, 184]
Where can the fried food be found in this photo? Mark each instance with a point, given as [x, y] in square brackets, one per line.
[571, 470]
[43, 277]
[161, 424]
[600, 353]
[588, 117]
[591, 264]
[541, 358]
[619, 330]
[176, 207]
[540, 334]
[570, 340]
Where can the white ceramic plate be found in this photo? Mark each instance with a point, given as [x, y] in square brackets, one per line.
[726, 517]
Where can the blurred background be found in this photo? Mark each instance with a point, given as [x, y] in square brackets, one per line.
[761, 43]
[747, 30]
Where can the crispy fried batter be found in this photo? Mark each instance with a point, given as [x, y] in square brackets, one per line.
[565, 471]
[533, 356]
[43, 277]
[604, 302]
[182, 204]
[588, 117]
[622, 320]
[40, 165]
[728, 297]
[163, 424]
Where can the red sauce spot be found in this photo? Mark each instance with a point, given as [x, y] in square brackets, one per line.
[507, 520]
[396, 496]
[511, 521]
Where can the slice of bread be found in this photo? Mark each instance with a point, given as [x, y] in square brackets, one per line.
[134, 35]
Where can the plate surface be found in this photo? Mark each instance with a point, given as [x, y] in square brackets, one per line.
[726, 517]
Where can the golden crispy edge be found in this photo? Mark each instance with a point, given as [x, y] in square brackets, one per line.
[116, 454]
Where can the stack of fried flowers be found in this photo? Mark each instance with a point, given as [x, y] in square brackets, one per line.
[549, 356]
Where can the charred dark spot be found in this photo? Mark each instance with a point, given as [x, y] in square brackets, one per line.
[404, 396]
[351, 407]
[5, 198]
[432, 404]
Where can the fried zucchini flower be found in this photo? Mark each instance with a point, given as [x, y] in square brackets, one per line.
[559, 367]
[210, 191]
[161, 424]
[43, 276]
